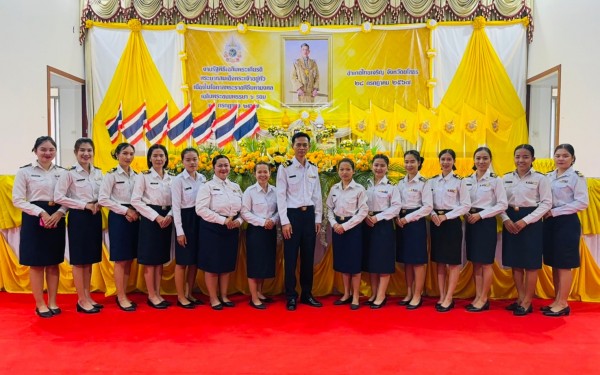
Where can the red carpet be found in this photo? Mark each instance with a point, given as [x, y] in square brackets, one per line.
[332, 339]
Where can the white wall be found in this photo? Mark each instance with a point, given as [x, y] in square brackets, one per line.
[565, 35]
[35, 33]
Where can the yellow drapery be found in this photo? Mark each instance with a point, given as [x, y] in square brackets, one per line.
[586, 281]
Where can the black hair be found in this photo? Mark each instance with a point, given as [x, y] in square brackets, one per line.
[568, 147]
[188, 149]
[451, 153]
[417, 156]
[120, 147]
[304, 45]
[527, 147]
[81, 141]
[482, 148]
[42, 139]
[262, 163]
[217, 158]
[346, 160]
[382, 157]
[300, 135]
[156, 146]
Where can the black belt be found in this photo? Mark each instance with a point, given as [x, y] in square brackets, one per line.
[475, 210]
[441, 212]
[373, 213]
[303, 208]
[517, 208]
[231, 217]
[155, 206]
[342, 219]
[406, 211]
[49, 203]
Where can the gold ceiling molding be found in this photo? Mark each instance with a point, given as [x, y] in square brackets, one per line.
[280, 13]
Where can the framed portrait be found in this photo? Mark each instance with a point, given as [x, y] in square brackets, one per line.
[306, 74]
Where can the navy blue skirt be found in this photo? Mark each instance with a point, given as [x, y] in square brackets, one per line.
[411, 241]
[154, 242]
[217, 247]
[523, 250]
[188, 255]
[261, 247]
[446, 242]
[38, 246]
[481, 239]
[561, 241]
[379, 250]
[123, 237]
[347, 249]
[85, 237]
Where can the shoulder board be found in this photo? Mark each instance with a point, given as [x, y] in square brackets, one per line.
[507, 173]
[25, 166]
[493, 175]
[171, 173]
[457, 176]
[579, 173]
[58, 166]
[146, 171]
[310, 162]
[113, 170]
[436, 176]
[287, 163]
[72, 168]
[543, 174]
[422, 179]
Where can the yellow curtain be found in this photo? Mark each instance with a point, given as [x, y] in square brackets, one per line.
[136, 80]
[481, 79]
[428, 127]
[586, 280]
[451, 131]
[383, 122]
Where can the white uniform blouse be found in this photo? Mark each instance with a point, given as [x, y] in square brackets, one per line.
[350, 202]
[218, 200]
[569, 192]
[33, 183]
[530, 191]
[416, 193]
[450, 193]
[383, 198]
[298, 186]
[78, 187]
[116, 190]
[488, 193]
[150, 189]
[184, 190]
[258, 205]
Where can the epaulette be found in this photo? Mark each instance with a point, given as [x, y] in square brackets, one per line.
[507, 173]
[72, 168]
[579, 173]
[147, 171]
[287, 163]
[28, 165]
[423, 179]
[58, 166]
[493, 174]
[457, 176]
[543, 174]
[171, 173]
[310, 162]
[113, 170]
[436, 176]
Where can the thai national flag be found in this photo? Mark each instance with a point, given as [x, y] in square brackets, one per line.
[114, 124]
[133, 126]
[180, 126]
[224, 126]
[203, 124]
[156, 129]
[246, 125]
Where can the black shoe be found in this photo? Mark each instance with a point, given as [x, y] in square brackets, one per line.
[93, 310]
[55, 311]
[403, 302]
[311, 301]
[469, 306]
[45, 314]
[485, 307]
[188, 306]
[266, 300]
[545, 308]
[165, 303]
[195, 301]
[563, 312]
[513, 306]
[441, 308]
[521, 311]
[414, 307]
[291, 304]
[159, 306]
[376, 306]
[218, 306]
[368, 302]
[98, 305]
[128, 308]
[355, 306]
[227, 303]
[259, 307]
[343, 301]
